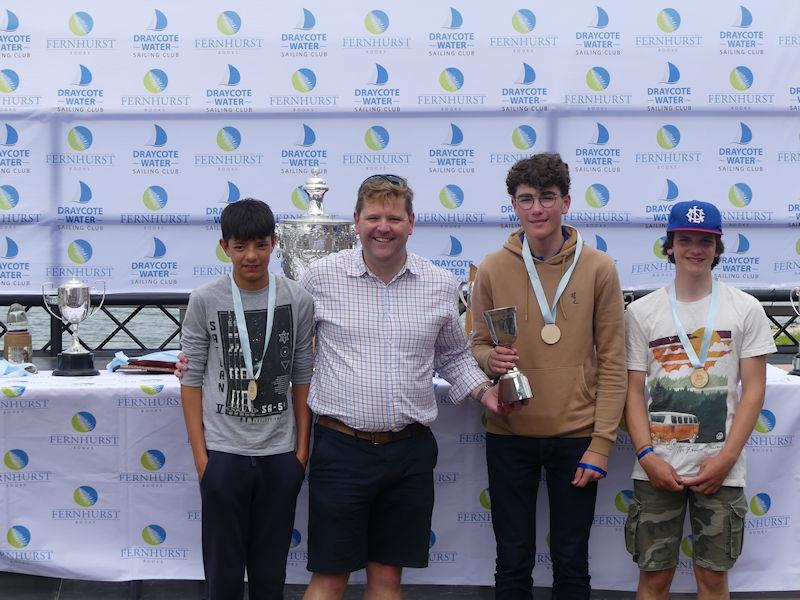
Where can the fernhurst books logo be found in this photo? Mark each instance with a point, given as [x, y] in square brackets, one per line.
[764, 517]
[668, 137]
[18, 536]
[523, 21]
[229, 139]
[229, 23]
[83, 422]
[439, 556]
[9, 81]
[304, 80]
[153, 460]
[740, 195]
[741, 78]
[154, 535]
[155, 81]
[79, 252]
[597, 195]
[658, 248]
[767, 436]
[155, 197]
[81, 23]
[154, 538]
[376, 138]
[16, 459]
[221, 256]
[451, 196]
[522, 24]
[13, 391]
[622, 500]
[85, 496]
[668, 20]
[152, 389]
[598, 79]
[451, 79]
[376, 22]
[300, 198]
[80, 138]
[523, 137]
[9, 197]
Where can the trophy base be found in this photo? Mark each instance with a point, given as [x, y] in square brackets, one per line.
[514, 387]
[75, 365]
[795, 365]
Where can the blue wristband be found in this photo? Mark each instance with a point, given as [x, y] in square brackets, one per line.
[602, 472]
[644, 453]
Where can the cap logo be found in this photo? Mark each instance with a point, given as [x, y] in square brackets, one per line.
[696, 215]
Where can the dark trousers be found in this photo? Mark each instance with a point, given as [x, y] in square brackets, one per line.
[515, 464]
[248, 516]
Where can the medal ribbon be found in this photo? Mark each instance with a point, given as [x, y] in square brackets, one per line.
[241, 325]
[548, 312]
[697, 362]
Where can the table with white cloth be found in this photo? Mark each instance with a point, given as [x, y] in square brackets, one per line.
[98, 482]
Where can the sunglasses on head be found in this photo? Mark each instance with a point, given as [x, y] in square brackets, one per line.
[393, 179]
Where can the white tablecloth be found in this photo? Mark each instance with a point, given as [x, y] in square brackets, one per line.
[98, 482]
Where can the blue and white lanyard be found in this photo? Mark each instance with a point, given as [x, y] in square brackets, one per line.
[241, 326]
[698, 362]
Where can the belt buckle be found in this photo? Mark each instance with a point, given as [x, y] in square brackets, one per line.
[373, 438]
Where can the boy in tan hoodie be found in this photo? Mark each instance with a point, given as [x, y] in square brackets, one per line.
[571, 346]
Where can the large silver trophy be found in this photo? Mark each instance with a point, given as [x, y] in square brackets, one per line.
[74, 305]
[314, 235]
[502, 324]
[794, 300]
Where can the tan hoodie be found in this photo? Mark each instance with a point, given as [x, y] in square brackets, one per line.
[579, 383]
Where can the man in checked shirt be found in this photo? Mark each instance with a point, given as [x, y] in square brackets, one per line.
[385, 320]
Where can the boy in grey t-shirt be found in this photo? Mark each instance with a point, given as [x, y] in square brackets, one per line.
[246, 337]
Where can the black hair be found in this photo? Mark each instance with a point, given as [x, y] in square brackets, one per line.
[247, 219]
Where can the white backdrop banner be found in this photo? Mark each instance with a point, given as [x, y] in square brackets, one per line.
[98, 482]
[126, 128]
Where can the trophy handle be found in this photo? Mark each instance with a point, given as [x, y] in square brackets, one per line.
[47, 303]
[794, 300]
[102, 300]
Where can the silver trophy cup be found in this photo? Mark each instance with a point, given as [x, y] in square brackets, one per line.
[502, 324]
[74, 305]
[794, 300]
[314, 235]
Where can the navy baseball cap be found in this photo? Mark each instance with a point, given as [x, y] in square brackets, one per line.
[695, 215]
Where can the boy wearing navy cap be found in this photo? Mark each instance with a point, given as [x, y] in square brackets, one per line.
[689, 344]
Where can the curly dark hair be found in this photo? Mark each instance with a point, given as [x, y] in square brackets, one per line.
[539, 171]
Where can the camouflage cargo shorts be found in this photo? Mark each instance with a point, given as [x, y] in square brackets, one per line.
[654, 527]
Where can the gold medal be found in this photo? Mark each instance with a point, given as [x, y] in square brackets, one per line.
[252, 390]
[699, 378]
[551, 333]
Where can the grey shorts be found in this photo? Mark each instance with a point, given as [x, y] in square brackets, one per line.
[654, 527]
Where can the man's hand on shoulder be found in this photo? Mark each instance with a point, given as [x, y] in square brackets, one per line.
[181, 366]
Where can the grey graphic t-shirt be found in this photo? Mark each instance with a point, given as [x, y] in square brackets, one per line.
[210, 339]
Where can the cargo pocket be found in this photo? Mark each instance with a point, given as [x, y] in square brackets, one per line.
[632, 528]
[736, 527]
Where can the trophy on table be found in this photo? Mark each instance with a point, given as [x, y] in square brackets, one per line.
[502, 324]
[74, 305]
[314, 235]
[794, 300]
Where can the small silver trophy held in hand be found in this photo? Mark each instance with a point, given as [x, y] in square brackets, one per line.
[794, 300]
[75, 305]
[502, 323]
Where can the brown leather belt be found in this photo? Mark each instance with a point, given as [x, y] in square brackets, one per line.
[374, 437]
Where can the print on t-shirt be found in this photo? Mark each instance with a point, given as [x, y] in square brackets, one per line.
[273, 381]
[679, 412]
